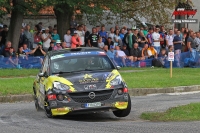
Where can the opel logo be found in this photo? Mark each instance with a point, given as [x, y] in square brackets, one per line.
[91, 95]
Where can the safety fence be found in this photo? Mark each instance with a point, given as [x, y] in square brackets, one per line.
[182, 60]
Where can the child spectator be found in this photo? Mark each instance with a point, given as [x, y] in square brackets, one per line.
[57, 47]
[64, 45]
[100, 43]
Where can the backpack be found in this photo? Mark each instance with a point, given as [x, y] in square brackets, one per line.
[157, 63]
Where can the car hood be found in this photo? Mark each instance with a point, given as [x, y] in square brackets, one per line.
[84, 81]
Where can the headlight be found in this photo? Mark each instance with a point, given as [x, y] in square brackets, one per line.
[60, 86]
[116, 81]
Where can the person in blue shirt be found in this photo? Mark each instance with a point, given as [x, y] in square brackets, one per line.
[55, 36]
[103, 34]
[110, 53]
[177, 47]
[25, 48]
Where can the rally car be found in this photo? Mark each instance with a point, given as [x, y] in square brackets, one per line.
[81, 80]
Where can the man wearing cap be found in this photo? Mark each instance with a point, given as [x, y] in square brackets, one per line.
[38, 51]
[58, 46]
[46, 38]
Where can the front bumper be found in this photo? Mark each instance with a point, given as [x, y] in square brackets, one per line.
[70, 106]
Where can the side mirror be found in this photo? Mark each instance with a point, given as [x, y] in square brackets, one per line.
[41, 74]
[118, 67]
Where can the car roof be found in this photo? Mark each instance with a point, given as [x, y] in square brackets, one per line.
[74, 50]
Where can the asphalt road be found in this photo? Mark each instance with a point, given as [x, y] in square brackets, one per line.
[23, 118]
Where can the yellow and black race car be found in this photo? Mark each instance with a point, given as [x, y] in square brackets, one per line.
[80, 80]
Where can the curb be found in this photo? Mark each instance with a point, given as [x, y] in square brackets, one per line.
[143, 92]
[132, 92]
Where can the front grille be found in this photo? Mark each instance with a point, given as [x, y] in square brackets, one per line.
[82, 97]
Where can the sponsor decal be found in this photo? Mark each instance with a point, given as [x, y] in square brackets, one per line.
[184, 12]
[87, 78]
[90, 87]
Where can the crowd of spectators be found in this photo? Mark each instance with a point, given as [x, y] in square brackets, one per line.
[120, 43]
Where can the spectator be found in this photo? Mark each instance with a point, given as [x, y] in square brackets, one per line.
[81, 34]
[177, 47]
[57, 47]
[126, 38]
[51, 46]
[37, 35]
[29, 39]
[135, 52]
[98, 29]
[175, 32]
[156, 40]
[25, 48]
[120, 55]
[149, 37]
[7, 47]
[163, 34]
[12, 57]
[73, 24]
[64, 45]
[4, 35]
[125, 50]
[46, 38]
[21, 52]
[152, 53]
[93, 38]
[112, 34]
[144, 52]
[38, 51]
[197, 40]
[109, 42]
[21, 38]
[68, 38]
[143, 40]
[162, 56]
[55, 36]
[117, 39]
[100, 43]
[169, 38]
[117, 27]
[145, 31]
[76, 41]
[191, 44]
[50, 29]
[110, 53]
[87, 34]
[103, 34]
[121, 34]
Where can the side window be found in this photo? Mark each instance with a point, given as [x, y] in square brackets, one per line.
[45, 64]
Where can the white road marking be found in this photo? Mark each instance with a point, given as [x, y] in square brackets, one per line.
[175, 94]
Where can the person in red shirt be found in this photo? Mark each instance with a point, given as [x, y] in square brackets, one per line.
[76, 41]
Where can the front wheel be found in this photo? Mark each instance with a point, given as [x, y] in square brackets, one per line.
[47, 108]
[37, 106]
[124, 112]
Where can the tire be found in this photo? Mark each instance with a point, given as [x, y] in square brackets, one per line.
[37, 106]
[47, 109]
[124, 112]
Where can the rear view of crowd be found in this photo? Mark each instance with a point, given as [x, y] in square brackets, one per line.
[123, 45]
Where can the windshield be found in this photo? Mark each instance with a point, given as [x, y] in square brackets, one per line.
[81, 63]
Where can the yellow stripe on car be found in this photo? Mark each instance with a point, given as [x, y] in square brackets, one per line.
[60, 111]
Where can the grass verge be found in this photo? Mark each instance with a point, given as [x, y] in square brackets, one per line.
[16, 86]
[6, 73]
[160, 78]
[188, 112]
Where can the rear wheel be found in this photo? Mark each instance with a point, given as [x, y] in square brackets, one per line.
[124, 112]
[47, 108]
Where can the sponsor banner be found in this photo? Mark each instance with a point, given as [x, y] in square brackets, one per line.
[184, 21]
